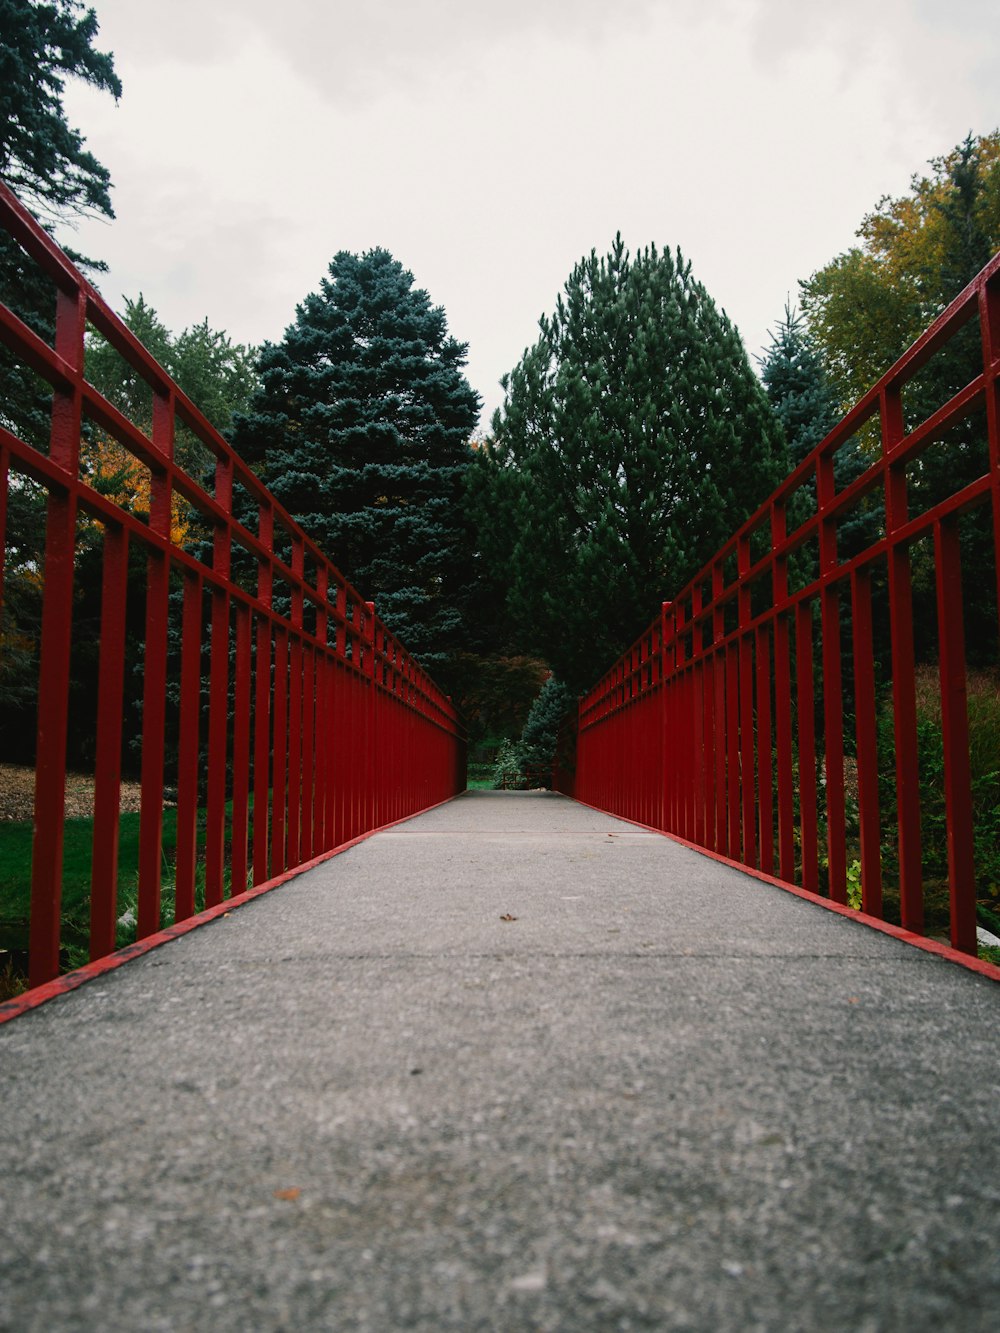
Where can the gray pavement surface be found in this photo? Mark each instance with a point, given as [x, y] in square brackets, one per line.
[666, 1096]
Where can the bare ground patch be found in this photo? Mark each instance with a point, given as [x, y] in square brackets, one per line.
[17, 794]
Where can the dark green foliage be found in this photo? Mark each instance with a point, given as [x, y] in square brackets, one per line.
[42, 157]
[797, 387]
[360, 428]
[217, 374]
[984, 757]
[44, 161]
[805, 403]
[529, 761]
[21, 621]
[495, 692]
[633, 439]
[541, 730]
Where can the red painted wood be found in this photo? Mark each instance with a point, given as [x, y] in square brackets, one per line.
[903, 673]
[187, 749]
[50, 770]
[765, 780]
[108, 758]
[806, 729]
[867, 745]
[279, 754]
[955, 737]
[154, 697]
[238, 855]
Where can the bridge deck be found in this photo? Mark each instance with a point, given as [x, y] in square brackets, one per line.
[665, 1096]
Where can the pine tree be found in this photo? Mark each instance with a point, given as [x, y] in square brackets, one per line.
[805, 403]
[45, 161]
[42, 157]
[537, 746]
[360, 427]
[797, 387]
[634, 437]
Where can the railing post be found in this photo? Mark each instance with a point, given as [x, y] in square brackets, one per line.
[373, 718]
[833, 690]
[666, 763]
[54, 666]
[903, 669]
[989, 324]
[218, 688]
[262, 696]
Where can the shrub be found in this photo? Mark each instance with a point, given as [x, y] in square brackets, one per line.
[984, 757]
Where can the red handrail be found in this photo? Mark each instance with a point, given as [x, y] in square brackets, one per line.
[317, 718]
[724, 723]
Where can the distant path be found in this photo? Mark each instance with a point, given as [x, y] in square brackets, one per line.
[665, 1096]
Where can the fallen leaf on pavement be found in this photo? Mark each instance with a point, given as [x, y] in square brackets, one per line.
[507, 917]
[287, 1194]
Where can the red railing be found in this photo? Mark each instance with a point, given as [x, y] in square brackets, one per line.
[755, 717]
[276, 707]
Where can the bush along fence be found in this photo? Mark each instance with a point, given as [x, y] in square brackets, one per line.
[821, 702]
[161, 611]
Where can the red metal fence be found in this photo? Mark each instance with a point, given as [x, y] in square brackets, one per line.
[795, 704]
[276, 709]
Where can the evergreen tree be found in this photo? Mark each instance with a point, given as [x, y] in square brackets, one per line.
[634, 437]
[797, 387]
[360, 427]
[42, 157]
[533, 755]
[537, 746]
[805, 403]
[45, 161]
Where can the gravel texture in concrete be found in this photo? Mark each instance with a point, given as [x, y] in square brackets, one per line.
[514, 1064]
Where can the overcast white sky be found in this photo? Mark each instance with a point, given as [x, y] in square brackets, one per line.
[490, 143]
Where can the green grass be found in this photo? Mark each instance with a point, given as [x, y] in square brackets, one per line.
[15, 884]
[15, 862]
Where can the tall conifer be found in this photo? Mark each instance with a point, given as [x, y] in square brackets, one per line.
[360, 427]
[633, 438]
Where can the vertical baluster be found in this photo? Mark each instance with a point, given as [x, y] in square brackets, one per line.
[56, 636]
[807, 745]
[154, 673]
[262, 696]
[833, 700]
[108, 758]
[903, 674]
[864, 708]
[765, 779]
[279, 753]
[218, 689]
[955, 738]
[241, 750]
[746, 674]
[187, 748]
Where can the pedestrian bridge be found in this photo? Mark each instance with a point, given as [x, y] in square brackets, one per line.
[709, 1046]
[511, 1064]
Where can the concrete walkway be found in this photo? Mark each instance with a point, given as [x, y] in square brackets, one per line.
[664, 1096]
